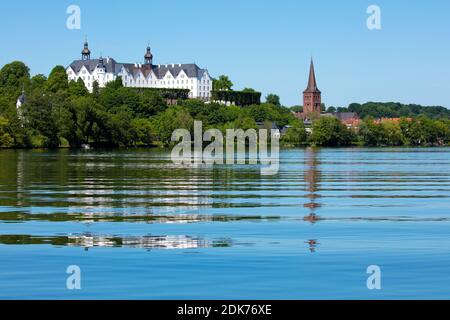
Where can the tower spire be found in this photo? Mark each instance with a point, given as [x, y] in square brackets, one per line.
[312, 84]
[312, 97]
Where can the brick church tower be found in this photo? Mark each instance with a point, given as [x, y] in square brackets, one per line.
[312, 97]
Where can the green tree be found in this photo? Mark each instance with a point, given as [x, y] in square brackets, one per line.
[295, 134]
[40, 119]
[57, 80]
[243, 123]
[78, 88]
[95, 90]
[175, 117]
[296, 108]
[38, 82]
[331, 109]
[143, 130]
[115, 84]
[329, 131]
[392, 134]
[14, 76]
[6, 141]
[273, 99]
[370, 133]
[119, 129]
[89, 120]
[150, 103]
[222, 84]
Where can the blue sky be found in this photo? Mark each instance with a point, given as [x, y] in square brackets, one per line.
[265, 45]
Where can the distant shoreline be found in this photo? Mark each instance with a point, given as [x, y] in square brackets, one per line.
[285, 147]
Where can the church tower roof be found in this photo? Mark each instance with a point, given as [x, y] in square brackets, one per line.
[148, 56]
[86, 53]
[312, 84]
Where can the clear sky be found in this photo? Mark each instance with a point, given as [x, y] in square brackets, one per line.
[265, 45]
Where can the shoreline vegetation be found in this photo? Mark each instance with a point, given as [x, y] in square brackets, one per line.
[57, 114]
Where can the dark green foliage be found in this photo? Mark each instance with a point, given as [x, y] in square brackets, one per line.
[329, 131]
[270, 112]
[14, 76]
[239, 98]
[175, 117]
[420, 131]
[273, 99]
[40, 116]
[331, 109]
[57, 80]
[397, 110]
[295, 135]
[222, 84]
[38, 81]
[296, 108]
[78, 88]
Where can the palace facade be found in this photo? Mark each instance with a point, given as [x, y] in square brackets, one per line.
[141, 75]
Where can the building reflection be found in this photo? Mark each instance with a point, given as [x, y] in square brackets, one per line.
[87, 241]
[139, 192]
[312, 245]
[145, 242]
[312, 181]
[312, 177]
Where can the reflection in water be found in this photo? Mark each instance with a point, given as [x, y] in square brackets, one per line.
[88, 241]
[389, 205]
[312, 181]
[22, 216]
[20, 178]
[312, 245]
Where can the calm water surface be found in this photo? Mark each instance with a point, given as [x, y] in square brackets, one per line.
[140, 227]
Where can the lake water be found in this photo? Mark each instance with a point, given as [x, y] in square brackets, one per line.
[141, 228]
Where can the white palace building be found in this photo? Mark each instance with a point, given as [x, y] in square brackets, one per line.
[146, 75]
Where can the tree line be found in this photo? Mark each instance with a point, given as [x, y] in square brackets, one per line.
[392, 110]
[58, 113]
